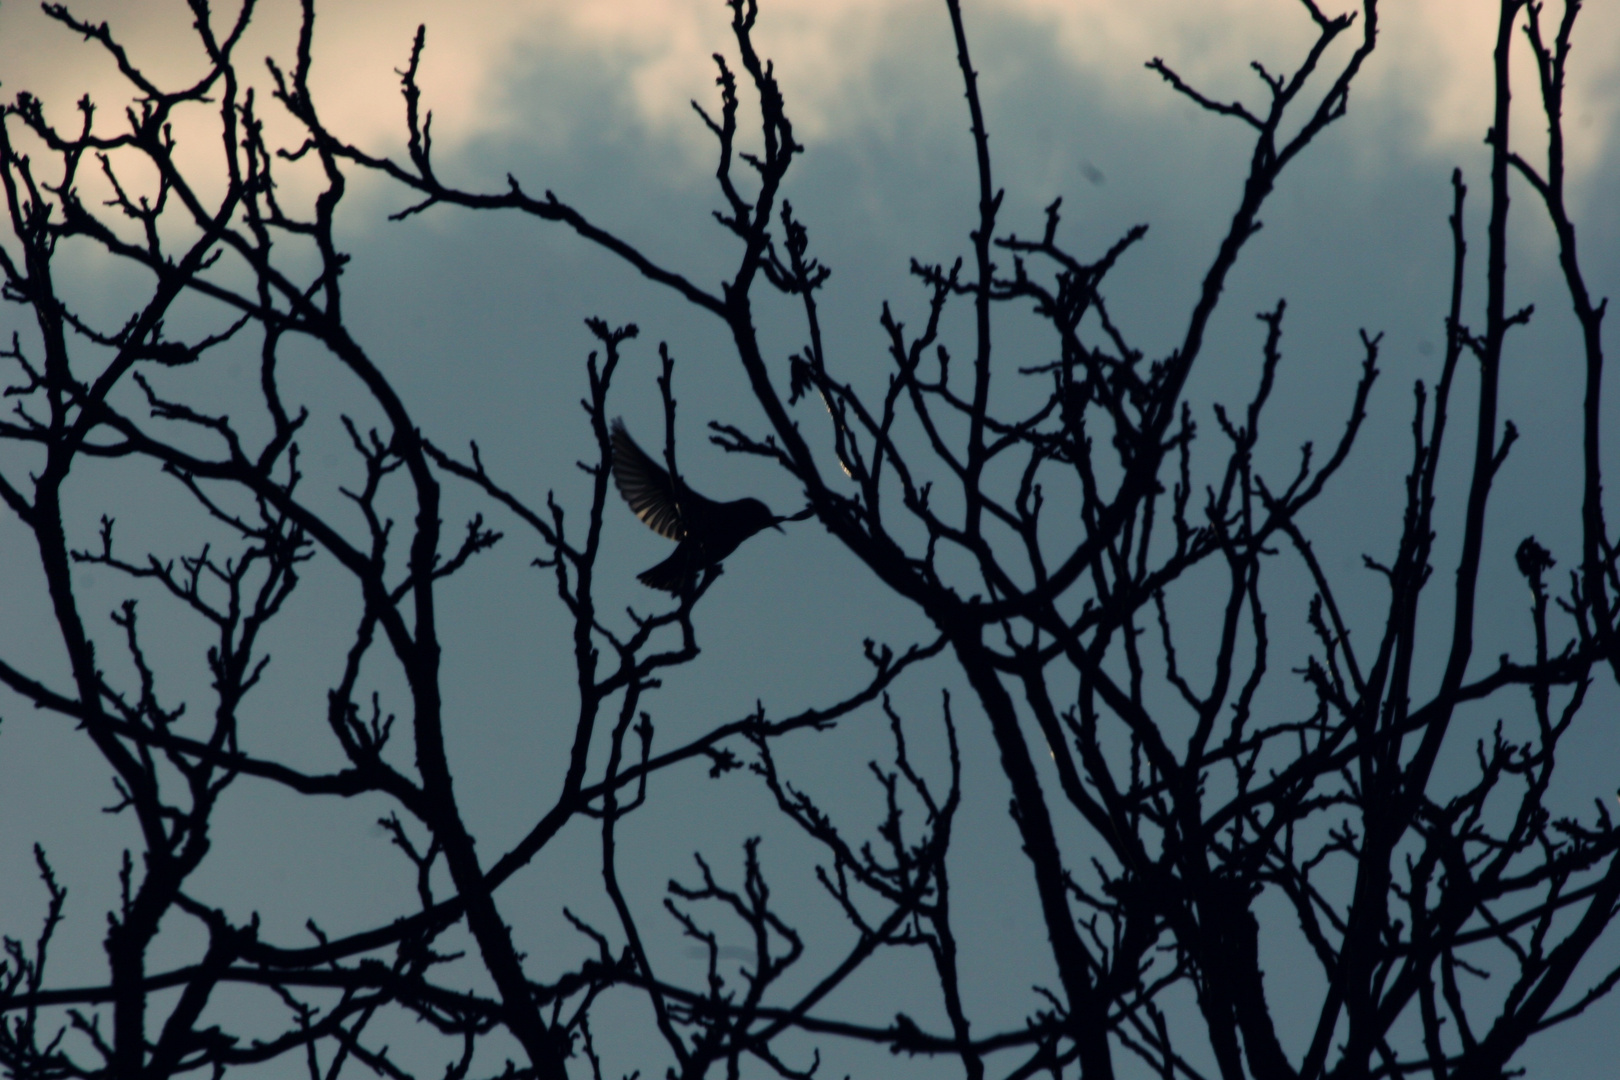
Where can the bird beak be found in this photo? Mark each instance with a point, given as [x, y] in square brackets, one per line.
[802, 515]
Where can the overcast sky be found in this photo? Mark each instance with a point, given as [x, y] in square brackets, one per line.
[479, 320]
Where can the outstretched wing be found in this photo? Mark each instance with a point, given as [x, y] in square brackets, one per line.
[646, 486]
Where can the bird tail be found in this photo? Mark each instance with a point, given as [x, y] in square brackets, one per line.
[671, 576]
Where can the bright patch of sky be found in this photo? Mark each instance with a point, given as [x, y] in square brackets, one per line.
[1433, 58]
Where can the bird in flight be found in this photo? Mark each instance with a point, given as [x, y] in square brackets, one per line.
[707, 531]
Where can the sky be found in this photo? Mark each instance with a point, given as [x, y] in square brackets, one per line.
[479, 321]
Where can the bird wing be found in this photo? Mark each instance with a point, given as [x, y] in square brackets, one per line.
[645, 486]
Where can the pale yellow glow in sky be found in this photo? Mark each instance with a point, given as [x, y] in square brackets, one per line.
[1434, 53]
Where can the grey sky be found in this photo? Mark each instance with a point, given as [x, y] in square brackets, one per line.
[479, 321]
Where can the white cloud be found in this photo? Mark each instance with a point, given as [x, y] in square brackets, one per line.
[1433, 59]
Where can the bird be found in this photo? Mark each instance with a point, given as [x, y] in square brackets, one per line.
[707, 530]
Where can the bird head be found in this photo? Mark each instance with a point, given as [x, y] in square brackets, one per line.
[753, 515]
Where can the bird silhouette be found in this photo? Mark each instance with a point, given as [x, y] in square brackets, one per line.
[707, 531]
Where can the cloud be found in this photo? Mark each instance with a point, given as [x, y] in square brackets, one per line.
[1433, 61]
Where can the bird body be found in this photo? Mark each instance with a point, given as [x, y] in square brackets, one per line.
[707, 531]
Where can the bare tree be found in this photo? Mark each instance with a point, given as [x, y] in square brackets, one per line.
[1053, 550]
